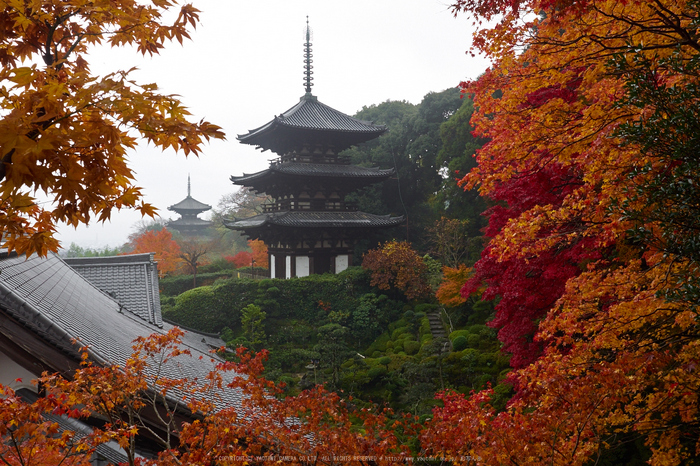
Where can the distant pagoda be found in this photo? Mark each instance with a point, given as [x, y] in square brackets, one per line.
[189, 208]
[309, 228]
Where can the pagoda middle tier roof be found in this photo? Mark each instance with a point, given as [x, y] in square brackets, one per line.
[313, 170]
[311, 122]
[301, 219]
[191, 204]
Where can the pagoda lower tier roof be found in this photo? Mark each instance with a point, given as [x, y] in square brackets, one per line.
[352, 173]
[301, 219]
[311, 122]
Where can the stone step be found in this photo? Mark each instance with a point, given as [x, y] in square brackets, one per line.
[436, 327]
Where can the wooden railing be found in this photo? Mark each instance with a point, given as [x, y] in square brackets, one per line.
[313, 204]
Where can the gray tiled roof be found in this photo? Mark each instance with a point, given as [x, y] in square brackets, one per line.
[311, 115]
[320, 170]
[305, 219]
[131, 279]
[57, 304]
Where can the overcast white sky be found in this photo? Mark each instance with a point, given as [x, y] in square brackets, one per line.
[245, 64]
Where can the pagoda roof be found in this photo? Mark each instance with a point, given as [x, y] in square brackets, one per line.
[310, 122]
[191, 204]
[188, 222]
[321, 170]
[306, 219]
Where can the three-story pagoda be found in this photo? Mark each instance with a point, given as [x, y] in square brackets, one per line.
[189, 224]
[309, 228]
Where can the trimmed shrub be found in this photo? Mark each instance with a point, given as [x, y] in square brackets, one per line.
[473, 341]
[425, 328]
[426, 308]
[384, 361]
[396, 334]
[460, 343]
[478, 329]
[411, 347]
[379, 344]
[458, 333]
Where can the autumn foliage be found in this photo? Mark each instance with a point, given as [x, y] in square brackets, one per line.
[315, 427]
[259, 253]
[396, 264]
[241, 259]
[450, 291]
[591, 113]
[161, 242]
[66, 132]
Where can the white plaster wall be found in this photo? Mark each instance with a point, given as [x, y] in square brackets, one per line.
[272, 266]
[302, 263]
[10, 371]
[288, 266]
[341, 262]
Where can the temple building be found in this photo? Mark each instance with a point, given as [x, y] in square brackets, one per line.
[189, 224]
[309, 228]
[49, 310]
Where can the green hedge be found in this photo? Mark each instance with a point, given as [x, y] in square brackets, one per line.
[178, 284]
[314, 299]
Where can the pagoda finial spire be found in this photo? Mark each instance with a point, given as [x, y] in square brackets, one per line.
[307, 60]
[188, 185]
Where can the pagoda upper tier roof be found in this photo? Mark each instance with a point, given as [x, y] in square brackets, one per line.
[320, 170]
[311, 122]
[189, 204]
[301, 219]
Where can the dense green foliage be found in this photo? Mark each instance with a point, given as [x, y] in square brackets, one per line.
[281, 299]
[339, 330]
[177, 284]
[426, 152]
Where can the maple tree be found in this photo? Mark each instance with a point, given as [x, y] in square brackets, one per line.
[259, 253]
[396, 264]
[193, 253]
[241, 259]
[449, 241]
[31, 438]
[528, 286]
[450, 291]
[137, 398]
[160, 242]
[66, 132]
[589, 114]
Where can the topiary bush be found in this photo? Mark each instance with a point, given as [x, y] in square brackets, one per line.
[458, 333]
[384, 361]
[396, 334]
[411, 347]
[473, 341]
[460, 343]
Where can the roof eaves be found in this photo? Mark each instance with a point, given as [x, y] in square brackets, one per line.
[39, 323]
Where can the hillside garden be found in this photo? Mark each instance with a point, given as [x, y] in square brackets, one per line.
[569, 310]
